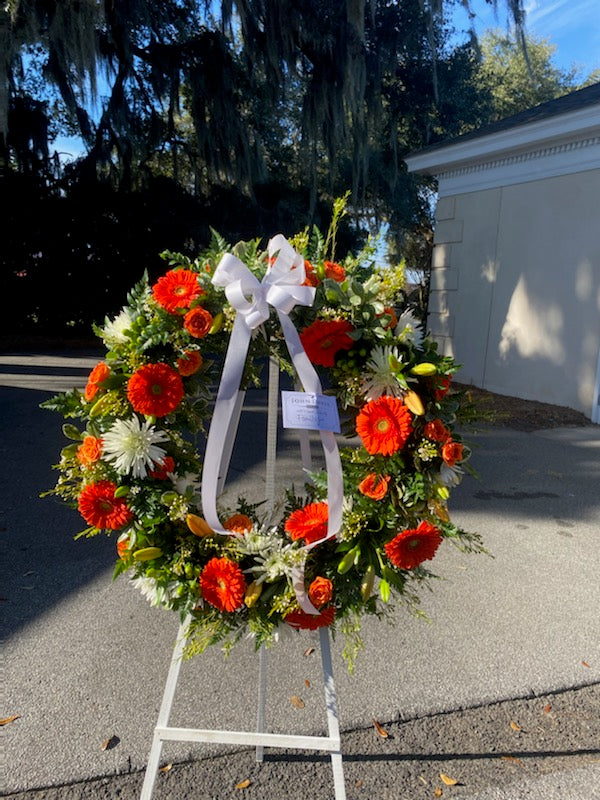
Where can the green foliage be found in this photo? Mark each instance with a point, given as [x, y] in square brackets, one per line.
[516, 79]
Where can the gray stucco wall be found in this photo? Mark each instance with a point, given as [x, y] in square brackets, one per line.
[516, 287]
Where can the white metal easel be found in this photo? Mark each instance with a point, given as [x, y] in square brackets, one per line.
[259, 738]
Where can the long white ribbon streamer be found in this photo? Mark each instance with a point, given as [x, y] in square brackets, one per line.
[282, 288]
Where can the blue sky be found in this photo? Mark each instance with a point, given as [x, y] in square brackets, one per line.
[572, 25]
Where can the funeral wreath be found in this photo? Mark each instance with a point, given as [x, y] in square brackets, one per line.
[359, 534]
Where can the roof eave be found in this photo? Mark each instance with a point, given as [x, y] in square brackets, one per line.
[575, 124]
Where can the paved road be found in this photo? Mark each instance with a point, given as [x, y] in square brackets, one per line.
[514, 638]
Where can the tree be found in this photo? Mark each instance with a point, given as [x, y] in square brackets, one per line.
[515, 79]
[335, 56]
[262, 110]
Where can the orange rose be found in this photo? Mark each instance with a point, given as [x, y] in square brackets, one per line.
[197, 322]
[189, 363]
[312, 279]
[238, 523]
[436, 431]
[452, 452]
[89, 451]
[374, 486]
[97, 375]
[334, 272]
[320, 592]
[442, 386]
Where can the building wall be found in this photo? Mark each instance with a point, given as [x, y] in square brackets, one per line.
[516, 287]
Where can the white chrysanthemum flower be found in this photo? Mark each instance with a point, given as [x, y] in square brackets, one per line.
[450, 476]
[279, 561]
[409, 329]
[256, 541]
[113, 332]
[156, 594]
[132, 446]
[379, 378]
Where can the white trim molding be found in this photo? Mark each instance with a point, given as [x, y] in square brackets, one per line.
[561, 145]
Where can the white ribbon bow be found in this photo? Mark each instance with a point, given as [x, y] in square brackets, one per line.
[282, 289]
[281, 286]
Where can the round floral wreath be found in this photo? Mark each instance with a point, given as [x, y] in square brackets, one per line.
[132, 467]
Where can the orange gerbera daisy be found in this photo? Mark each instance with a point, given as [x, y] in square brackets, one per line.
[324, 339]
[308, 523]
[89, 451]
[176, 290]
[189, 363]
[374, 486]
[162, 468]
[320, 592]
[223, 584]
[155, 390]
[452, 452]
[334, 271]
[100, 508]
[384, 425]
[198, 322]
[96, 376]
[238, 523]
[413, 546]
[436, 431]
[311, 622]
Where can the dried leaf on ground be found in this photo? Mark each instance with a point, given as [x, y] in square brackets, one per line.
[166, 768]
[296, 701]
[547, 709]
[7, 720]
[447, 779]
[585, 664]
[514, 726]
[109, 743]
[358, 784]
[243, 784]
[307, 683]
[513, 760]
[380, 730]
[438, 792]
[309, 651]
[423, 780]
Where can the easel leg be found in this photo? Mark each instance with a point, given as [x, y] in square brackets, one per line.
[262, 696]
[332, 715]
[164, 713]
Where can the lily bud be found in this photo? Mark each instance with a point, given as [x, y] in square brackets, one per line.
[384, 591]
[347, 561]
[414, 403]
[147, 554]
[443, 492]
[253, 592]
[425, 368]
[366, 585]
[198, 526]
